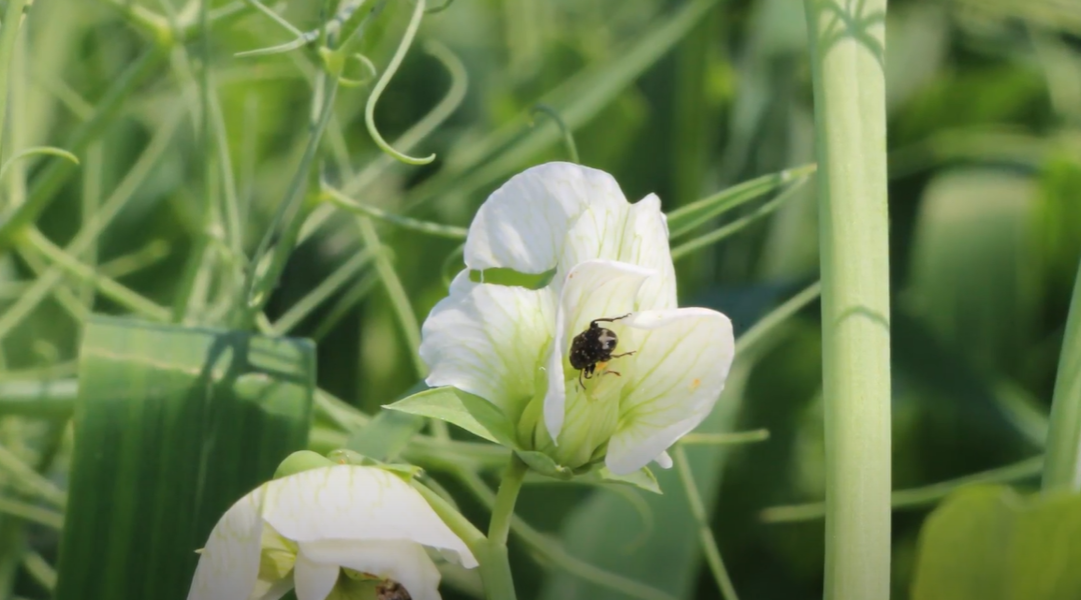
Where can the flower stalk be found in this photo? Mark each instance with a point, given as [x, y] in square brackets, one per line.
[847, 43]
[499, 527]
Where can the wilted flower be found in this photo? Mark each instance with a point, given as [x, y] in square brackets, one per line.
[338, 532]
[649, 371]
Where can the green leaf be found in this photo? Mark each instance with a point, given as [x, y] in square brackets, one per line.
[687, 218]
[385, 436]
[990, 543]
[472, 413]
[172, 425]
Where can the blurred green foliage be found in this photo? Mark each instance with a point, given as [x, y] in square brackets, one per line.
[684, 98]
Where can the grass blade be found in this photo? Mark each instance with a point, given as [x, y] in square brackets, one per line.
[204, 417]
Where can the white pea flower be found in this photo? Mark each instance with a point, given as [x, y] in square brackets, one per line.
[628, 402]
[338, 532]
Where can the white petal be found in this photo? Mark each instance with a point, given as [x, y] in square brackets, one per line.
[522, 225]
[663, 460]
[680, 369]
[348, 502]
[636, 234]
[645, 243]
[404, 562]
[594, 289]
[229, 564]
[597, 233]
[313, 579]
[488, 340]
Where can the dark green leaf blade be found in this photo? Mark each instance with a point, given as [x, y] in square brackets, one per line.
[172, 425]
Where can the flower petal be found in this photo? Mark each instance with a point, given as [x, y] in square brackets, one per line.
[487, 340]
[680, 369]
[229, 564]
[594, 289]
[349, 502]
[645, 243]
[631, 233]
[522, 225]
[404, 562]
[313, 579]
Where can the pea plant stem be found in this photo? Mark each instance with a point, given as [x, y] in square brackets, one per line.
[495, 564]
[847, 44]
[1063, 467]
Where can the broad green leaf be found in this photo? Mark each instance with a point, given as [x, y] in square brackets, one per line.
[688, 217]
[472, 413]
[990, 543]
[172, 425]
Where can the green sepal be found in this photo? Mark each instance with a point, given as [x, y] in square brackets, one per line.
[472, 413]
[545, 465]
[301, 460]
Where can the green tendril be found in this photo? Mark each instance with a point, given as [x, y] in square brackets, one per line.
[388, 74]
[568, 137]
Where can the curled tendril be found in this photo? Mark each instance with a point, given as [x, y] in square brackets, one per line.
[384, 80]
[367, 64]
[568, 137]
[37, 150]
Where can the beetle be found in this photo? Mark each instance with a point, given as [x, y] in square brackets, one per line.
[594, 347]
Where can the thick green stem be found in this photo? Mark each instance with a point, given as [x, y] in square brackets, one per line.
[499, 528]
[495, 562]
[847, 42]
[1063, 467]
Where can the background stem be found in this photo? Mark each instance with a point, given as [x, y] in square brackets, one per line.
[847, 55]
[1063, 467]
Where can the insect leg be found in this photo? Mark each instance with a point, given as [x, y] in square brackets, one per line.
[593, 323]
[624, 354]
